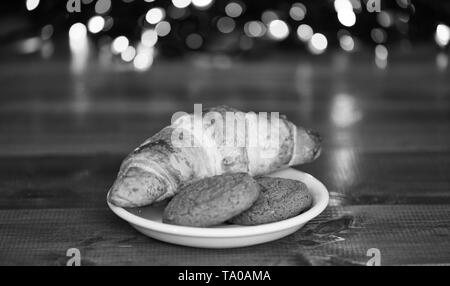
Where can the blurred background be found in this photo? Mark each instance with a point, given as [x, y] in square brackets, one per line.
[101, 75]
[139, 32]
[83, 82]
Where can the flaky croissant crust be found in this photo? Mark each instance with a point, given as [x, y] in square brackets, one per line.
[155, 170]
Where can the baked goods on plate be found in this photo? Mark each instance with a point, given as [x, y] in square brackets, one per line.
[208, 173]
[148, 220]
[212, 201]
[279, 199]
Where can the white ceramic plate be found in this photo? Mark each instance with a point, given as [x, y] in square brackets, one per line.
[148, 220]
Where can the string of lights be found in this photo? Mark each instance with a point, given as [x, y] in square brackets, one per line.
[135, 31]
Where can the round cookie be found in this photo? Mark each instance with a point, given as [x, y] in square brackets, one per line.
[279, 199]
[212, 201]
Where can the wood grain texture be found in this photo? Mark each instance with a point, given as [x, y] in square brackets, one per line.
[406, 234]
[46, 109]
[386, 159]
[353, 178]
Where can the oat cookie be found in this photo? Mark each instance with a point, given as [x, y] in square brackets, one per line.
[279, 199]
[212, 200]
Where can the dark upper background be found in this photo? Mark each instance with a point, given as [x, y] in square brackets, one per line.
[220, 26]
[76, 97]
[107, 78]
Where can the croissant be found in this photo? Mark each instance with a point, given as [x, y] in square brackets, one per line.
[198, 146]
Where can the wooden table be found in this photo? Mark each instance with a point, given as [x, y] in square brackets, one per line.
[386, 159]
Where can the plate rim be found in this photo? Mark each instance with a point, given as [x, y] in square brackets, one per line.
[239, 231]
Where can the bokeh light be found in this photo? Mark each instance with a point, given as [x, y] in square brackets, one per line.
[347, 17]
[378, 35]
[143, 59]
[163, 28]
[344, 10]
[149, 38]
[254, 29]
[297, 11]
[47, 50]
[181, 3]
[47, 32]
[403, 3]
[202, 4]
[30, 45]
[233, 9]
[79, 47]
[357, 7]
[318, 44]
[381, 56]
[31, 4]
[342, 5]
[77, 31]
[96, 24]
[304, 32]
[347, 43]
[102, 6]
[243, 23]
[129, 54]
[119, 44]
[155, 15]
[442, 61]
[384, 18]
[268, 16]
[381, 52]
[225, 25]
[278, 30]
[442, 35]
[345, 111]
[109, 22]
